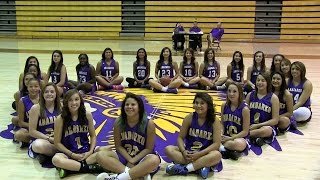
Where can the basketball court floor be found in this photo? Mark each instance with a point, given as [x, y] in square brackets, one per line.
[298, 155]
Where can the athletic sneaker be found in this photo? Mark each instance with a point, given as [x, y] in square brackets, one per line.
[172, 90]
[106, 176]
[23, 145]
[130, 82]
[95, 168]
[193, 86]
[204, 172]
[156, 90]
[62, 172]
[174, 169]
[117, 87]
[234, 155]
[260, 142]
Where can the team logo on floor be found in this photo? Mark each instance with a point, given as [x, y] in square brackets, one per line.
[166, 110]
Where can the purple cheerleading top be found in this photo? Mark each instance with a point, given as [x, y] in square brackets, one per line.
[233, 120]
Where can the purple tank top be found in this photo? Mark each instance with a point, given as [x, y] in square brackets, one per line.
[260, 109]
[166, 70]
[55, 78]
[141, 71]
[283, 106]
[233, 120]
[133, 140]
[46, 125]
[211, 71]
[75, 138]
[188, 70]
[108, 70]
[254, 75]
[27, 106]
[296, 92]
[84, 74]
[198, 137]
[236, 74]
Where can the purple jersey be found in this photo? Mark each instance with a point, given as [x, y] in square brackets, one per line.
[84, 74]
[188, 70]
[56, 77]
[233, 120]
[211, 71]
[296, 92]
[108, 70]
[141, 71]
[27, 102]
[75, 138]
[236, 74]
[133, 140]
[254, 75]
[260, 109]
[283, 106]
[166, 70]
[198, 137]
[46, 125]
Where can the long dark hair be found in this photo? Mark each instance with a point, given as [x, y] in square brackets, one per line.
[266, 76]
[283, 86]
[273, 67]
[103, 53]
[161, 58]
[206, 60]
[145, 59]
[240, 91]
[302, 68]
[210, 117]
[26, 66]
[24, 90]
[286, 61]
[38, 76]
[263, 62]
[240, 63]
[122, 120]
[53, 67]
[66, 115]
[57, 104]
[79, 65]
[192, 57]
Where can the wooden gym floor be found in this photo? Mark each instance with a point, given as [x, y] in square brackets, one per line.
[299, 158]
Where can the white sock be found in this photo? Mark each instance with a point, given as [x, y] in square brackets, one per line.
[126, 169]
[190, 167]
[124, 176]
[164, 89]
[185, 84]
[222, 148]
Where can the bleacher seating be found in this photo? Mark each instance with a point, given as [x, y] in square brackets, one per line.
[68, 19]
[300, 19]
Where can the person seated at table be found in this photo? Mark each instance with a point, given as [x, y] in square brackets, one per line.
[215, 35]
[178, 37]
[195, 37]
